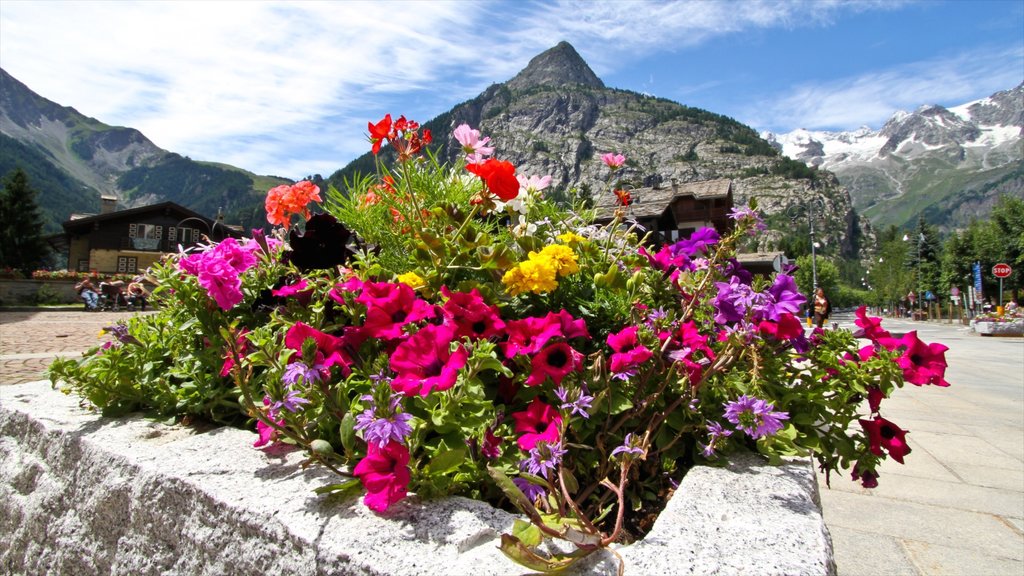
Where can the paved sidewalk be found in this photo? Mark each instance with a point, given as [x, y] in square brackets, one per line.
[30, 340]
[957, 505]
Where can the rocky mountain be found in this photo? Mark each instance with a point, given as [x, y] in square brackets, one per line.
[948, 164]
[557, 117]
[72, 159]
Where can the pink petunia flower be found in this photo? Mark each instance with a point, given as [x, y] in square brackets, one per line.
[884, 434]
[384, 473]
[336, 351]
[555, 361]
[470, 315]
[923, 363]
[871, 328]
[529, 335]
[424, 362]
[539, 422]
[629, 352]
[389, 307]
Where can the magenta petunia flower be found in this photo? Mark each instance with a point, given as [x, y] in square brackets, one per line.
[470, 315]
[424, 362]
[788, 327]
[384, 473]
[923, 363]
[539, 422]
[871, 328]
[629, 352]
[334, 350]
[300, 290]
[868, 478]
[529, 335]
[884, 434]
[389, 307]
[555, 361]
[697, 244]
[875, 398]
[239, 257]
[221, 281]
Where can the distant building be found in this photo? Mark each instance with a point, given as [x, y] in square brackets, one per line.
[129, 241]
[675, 211]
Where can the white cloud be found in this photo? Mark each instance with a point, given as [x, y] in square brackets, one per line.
[873, 98]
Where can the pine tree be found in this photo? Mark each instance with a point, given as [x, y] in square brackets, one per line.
[21, 241]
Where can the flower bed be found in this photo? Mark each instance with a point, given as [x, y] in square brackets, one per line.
[82, 494]
[999, 327]
[450, 331]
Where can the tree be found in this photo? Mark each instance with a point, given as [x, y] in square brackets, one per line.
[21, 241]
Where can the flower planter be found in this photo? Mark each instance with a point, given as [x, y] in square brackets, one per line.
[1006, 328]
[81, 494]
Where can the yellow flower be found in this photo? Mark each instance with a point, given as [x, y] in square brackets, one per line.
[563, 258]
[535, 275]
[411, 279]
[571, 238]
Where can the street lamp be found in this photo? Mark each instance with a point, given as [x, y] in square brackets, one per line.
[920, 243]
[794, 213]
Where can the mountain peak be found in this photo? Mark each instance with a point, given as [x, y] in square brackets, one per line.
[558, 66]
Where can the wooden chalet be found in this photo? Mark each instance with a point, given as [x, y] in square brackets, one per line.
[129, 241]
[676, 211]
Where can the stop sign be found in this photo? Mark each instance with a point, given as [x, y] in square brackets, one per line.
[1001, 270]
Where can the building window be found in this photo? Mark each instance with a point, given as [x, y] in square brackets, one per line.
[127, 264]
[83, 265]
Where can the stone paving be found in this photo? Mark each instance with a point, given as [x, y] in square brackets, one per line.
[30, 340]
[955, 507]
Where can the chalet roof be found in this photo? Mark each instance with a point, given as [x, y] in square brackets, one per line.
[652, 202]
[83, 221]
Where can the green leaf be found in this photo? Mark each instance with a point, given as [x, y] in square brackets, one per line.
[619, 402]
[522, 555]
[348, 434]
[519, 500]
[447, 461]
[571, 485]
[527, 532]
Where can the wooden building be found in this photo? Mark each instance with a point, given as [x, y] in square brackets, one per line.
[129, 241]
[676, 211]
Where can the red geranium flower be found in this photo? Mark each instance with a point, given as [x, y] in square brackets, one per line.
[380, 132]
[384, 473]
[424, 362]
[555, 361]
[787, 328]
[499, 176]
[539, 422]
[923, 363]
[884, 434]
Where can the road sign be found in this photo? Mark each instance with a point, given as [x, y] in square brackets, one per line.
[954, 291]
[1001, 270]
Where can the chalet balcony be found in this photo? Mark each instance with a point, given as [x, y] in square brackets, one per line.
[148, 244]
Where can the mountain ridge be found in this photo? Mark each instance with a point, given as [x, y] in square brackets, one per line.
[947, 164]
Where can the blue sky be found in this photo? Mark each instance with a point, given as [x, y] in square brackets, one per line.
[286, 88]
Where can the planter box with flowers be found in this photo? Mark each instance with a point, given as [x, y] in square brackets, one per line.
[999, 325]
[448, 331]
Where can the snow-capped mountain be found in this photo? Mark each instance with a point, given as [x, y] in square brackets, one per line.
[948, 164]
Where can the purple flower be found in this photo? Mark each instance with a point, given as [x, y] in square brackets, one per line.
[291, 402]
[577, 407]
[732, 300]
[295, 371]
[529, 489]
[746, 215]
[697, 243]
[630, 445]
[389, 426]
[784, 297]
[754, 416]
[715, 433]
[544, 458]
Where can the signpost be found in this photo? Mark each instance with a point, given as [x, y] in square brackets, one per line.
[1001, 271]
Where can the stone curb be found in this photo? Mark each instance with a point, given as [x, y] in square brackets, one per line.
[81, 494]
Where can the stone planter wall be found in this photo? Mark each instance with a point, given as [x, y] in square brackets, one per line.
[1014, 328]
[14, 292]
[80, 494]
